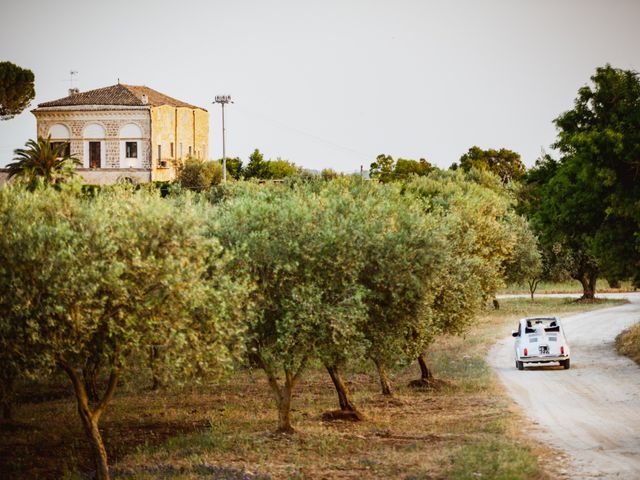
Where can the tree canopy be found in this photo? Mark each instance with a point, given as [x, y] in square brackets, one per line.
[587, 201]
[16, 89]
[386, 169]
[504, 163]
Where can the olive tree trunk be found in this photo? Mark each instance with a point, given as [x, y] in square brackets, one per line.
[425, 372]
[344, 397]
[533, 286]
[385, 383]
[588, 282]
[7, 394]
[90, 417]
[283, 394]
[90, 374]
[154, 353]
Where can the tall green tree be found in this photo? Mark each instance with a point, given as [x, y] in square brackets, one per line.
[198, 175]
[504, 163]
[234, 167]
[382, 168]
[588, 200]
[280, 169]
[42, 161]
[257, 166]
[405, 168]
[16, 89]
[600, 143]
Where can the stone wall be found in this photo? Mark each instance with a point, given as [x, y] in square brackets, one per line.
[178, 131]
[102, 176]
[111, 121]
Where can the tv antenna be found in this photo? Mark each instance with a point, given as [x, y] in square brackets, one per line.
[72, 75]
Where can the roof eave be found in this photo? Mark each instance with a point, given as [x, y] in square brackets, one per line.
[68, 108]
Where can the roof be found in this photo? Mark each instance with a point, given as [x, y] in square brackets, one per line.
[119, 94]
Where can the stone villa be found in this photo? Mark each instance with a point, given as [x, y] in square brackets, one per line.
[125, 132]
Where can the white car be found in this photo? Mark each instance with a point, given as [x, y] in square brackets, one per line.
[541, 340]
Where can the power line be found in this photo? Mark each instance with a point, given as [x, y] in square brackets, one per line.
[268, 119]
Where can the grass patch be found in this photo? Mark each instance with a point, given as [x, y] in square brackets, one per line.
[570, 286]
[466, 427]
[628, 343]
[494, 459]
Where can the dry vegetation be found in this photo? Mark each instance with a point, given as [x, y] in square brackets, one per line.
[628, 343]
[465, 429]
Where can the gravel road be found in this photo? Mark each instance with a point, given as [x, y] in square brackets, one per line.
[592, 411]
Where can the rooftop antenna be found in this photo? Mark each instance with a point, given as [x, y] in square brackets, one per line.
[71, 77]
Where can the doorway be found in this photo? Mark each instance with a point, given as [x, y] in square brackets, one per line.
[94, 154]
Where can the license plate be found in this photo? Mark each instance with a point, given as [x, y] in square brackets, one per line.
[544, 349]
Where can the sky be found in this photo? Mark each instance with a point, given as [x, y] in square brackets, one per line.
[332, 84]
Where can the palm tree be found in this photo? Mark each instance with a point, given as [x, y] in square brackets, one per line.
[42, 161]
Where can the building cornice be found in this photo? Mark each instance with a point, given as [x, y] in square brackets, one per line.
[90, 108]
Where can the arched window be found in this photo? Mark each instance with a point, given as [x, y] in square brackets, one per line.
[130, 146]
[59, 134]
[94, 146]
[93, 130]
[59, 131]
[130, 130]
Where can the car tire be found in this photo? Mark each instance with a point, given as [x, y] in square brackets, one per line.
[519, 365]
[566, 364]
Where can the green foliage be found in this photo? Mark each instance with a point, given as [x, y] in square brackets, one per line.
[478, 224]
[16, 89]
[42, 162]
[405, 168]
[385, 169]
[103, 279]
[382, 168]
[504, 163]
[195, 174]
[525, 262]
[263, 169]
[328, 174]
[600, 143]
[497, 459]
[404, 254]
[257, 167]
[588, 200]
[234, 167]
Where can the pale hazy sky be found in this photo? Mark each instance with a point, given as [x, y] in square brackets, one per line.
[333, 83]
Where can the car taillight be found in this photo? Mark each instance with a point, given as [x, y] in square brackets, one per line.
[526, 352]
[562, 350]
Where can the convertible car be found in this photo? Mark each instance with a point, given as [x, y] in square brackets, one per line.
[541, 340]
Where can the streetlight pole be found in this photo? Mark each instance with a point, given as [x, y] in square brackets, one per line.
[223, 100]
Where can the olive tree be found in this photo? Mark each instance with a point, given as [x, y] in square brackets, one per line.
[478, 224]
[404, 254]
[103, 278]
[283, 237]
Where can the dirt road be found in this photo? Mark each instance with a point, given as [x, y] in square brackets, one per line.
[592, 411]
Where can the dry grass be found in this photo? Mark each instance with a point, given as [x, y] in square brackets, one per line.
[466, 429]
[571, 286]
[628, 343]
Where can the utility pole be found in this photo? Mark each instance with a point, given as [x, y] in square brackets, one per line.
[223, 100]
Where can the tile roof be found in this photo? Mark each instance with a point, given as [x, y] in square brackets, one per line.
[118, 94]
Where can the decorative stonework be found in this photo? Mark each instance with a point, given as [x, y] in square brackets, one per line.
[165, 131]
[111, 120]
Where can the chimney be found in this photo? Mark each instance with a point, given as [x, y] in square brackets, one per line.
[145, 99]
[73, 91]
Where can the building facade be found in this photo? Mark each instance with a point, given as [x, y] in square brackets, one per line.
[125, 132]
